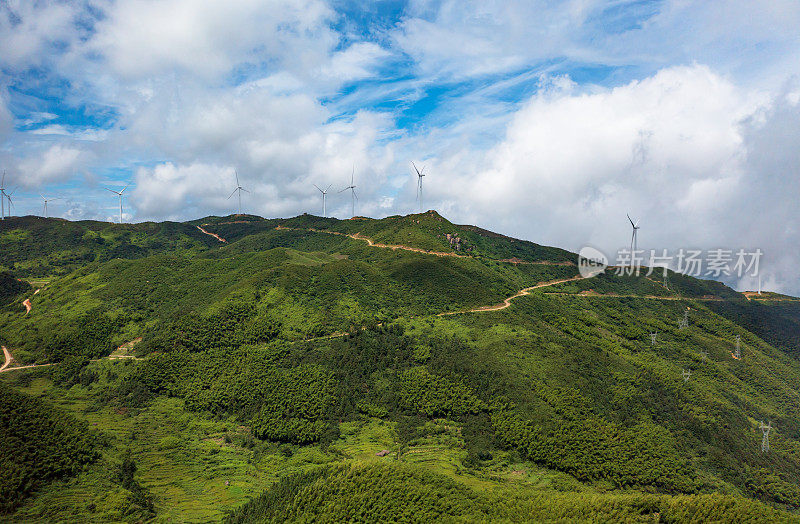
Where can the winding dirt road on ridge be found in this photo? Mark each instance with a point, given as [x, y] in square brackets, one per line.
[211, 234]
[372, 243]
[507, 302]
[9, 358]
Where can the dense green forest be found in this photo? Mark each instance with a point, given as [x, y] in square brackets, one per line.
[296, 372]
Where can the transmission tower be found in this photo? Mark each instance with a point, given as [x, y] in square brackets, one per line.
[704, 355]
[765, 441]
[686, 374]
[685, 322]
[653, 337]
[738, 353]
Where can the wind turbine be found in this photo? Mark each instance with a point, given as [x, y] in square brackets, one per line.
[239, 188]
[352, 188]
[3, 196]
[633, 236]
[324, 214]
[419, 183]
[10, 201]
[46, 200]
[119, 194]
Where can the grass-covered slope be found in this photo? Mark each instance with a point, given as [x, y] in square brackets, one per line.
[375, 381]
[35, 247]
[38, 444]
[397, 493]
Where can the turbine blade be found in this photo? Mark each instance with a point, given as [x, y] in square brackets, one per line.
[237, 177]
[115, 192]
[234, 191]
[354, 194]
[343, 190]
[318, 189]
[415, 167]
[243, 189]
[329, 186]
[629, 220]
[124, 188]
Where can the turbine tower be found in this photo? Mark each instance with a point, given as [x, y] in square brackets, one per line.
[46, 200]
[420, 174]
[352, 188]
[10, 201]
[634, 245]
[3, 196]
[324, 214]
[239, 188]
[119, 194]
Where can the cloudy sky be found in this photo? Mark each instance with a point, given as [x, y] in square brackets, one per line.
[547, 121]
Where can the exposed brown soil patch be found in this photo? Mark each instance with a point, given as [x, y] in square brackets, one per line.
[212, 234]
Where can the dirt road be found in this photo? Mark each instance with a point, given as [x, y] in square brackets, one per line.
[394, 247]
[8, 357]
[27, 304]
[212, 234]
[507, 302]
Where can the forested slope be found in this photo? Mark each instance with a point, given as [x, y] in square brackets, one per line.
[322, 359]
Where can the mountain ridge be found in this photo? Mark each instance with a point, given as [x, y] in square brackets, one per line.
[311, 347]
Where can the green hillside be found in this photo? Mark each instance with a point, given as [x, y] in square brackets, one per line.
[371, 370]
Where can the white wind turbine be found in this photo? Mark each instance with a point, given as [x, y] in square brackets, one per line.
[420, 174]
[119, 194]
[10, 201]
[46, 200]
[324, 213]
[352, 188]
[239, 188]
[635, 227]
[3, 196]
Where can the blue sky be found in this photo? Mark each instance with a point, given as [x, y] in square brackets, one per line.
[544, 120]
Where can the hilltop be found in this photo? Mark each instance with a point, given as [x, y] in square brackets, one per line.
[399, 367]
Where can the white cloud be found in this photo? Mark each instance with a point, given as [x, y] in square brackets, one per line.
[679, 150]
[146, 37]
[30, 30]
[457, 38]
[56, 162]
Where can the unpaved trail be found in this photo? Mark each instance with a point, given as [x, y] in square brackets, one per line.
[6, 370]
[372, 243]
[211, 234]
[648, 297]
[9, 358]
[27, 304]
[507, 302]
[395, 247]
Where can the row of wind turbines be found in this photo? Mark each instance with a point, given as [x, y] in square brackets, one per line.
[6, 196]
[354, 197]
